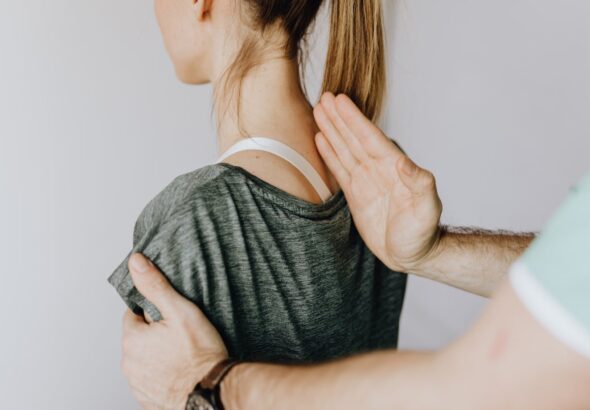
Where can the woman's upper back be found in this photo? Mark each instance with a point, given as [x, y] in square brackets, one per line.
[283, 280]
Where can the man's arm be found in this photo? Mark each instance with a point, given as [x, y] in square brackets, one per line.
[507, 361]
[473, 259]
[397, 210]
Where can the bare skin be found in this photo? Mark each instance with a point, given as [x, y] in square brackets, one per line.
[163, 361]
[397, 209]
[507, 361]
[202, 39]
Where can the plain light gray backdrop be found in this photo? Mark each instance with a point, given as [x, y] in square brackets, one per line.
[492, 96]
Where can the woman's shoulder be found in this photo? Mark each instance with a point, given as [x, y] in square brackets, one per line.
[182, 189]
[187, 183]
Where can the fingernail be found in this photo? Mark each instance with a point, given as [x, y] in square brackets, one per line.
[139, 263]
[409, 167]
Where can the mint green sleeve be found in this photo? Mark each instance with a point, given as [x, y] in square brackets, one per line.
[553, 277]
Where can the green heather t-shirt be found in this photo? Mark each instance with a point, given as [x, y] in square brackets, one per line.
[553, 277]
[282, 279]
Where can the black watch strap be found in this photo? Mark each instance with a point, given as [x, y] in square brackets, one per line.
[210, 387]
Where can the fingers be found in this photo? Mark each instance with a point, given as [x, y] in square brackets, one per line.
[340, 146]
[369, 136]
[332, 161]
[342, 134]
[153, 285]
[349, 139]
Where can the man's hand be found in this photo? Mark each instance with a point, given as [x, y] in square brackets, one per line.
[163, 361]
[396, 207]
[394, 203]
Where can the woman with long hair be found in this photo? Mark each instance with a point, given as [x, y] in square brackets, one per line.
[263, 240]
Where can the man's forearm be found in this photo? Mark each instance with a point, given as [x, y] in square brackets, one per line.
[371, 381]
[474, 260]
[508, 360]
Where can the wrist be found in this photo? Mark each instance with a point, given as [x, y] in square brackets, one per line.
[233, 392]
[256, 386]
[207, 393]
[428, 261]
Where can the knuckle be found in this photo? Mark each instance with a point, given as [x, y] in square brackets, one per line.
[158, 282]
[429, 179]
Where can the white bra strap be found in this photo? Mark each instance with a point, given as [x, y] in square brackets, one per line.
[288, 154]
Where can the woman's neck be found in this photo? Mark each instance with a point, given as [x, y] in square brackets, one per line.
[272, 104]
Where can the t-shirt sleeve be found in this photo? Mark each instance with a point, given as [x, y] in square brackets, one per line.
[157, 234]
[121, 280]
[174, 246]
[553, 277]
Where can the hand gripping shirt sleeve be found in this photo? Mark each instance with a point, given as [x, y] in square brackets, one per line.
[153, 231]
[553, 277]
[148, 245]
[281, 279]
[165, 245]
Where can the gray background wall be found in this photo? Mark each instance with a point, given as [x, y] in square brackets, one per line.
[491, 95]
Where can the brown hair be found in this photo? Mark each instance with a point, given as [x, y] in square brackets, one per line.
[356, 56]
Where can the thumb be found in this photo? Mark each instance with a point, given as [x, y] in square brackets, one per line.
[153, 285]
[418, 180]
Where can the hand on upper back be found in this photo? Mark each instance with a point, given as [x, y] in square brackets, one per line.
[163, 361]
[394, 203]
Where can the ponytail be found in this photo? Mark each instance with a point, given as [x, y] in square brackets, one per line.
[356, 54]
